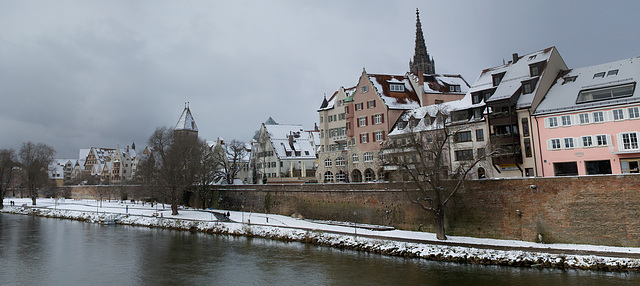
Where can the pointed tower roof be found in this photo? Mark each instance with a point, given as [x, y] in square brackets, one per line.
[270, 121]
[186, 121]
[421, 59]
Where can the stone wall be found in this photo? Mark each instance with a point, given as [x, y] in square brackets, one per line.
[588, 209]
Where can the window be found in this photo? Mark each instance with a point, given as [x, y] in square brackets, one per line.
[565, 169]
[365, 88]
[568, 143]
[605, 93]
[327, 162]
[612, 72]
[527, 87]
[566, 120]
[340, 176]
[497, 78]
[630, 166]
[587, 141]
[362, 121]
[584, 118]
[629, 140]
[454, 88]
[553, 122]
[379, 136]
[527, 147]
[368, 157]
[355, 158]
[598, 116]
[598, 167]
[439, 101]
[359, 106]
[320, 118]
[617, 114]
[341, 116]
[463, 136]
[464, 155]
[601, 140]
[377, 119]
[328, 177]
[525, 127]
[569, 79]
[633, 112]
[535, 69]
[364, 138]
[340, 161]
[600, 74]
[396, 87]
[371, 104]
[476, 97]
[555, 144]
[479, 135]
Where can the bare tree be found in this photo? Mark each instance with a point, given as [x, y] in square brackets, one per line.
[34, 160]
[7, 162]
[208, 175]
[420, 155]
[173, 165]
[229, 158]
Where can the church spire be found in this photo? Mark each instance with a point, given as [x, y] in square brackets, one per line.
[421, 60]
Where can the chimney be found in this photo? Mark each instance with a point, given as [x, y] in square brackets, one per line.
[515, 58]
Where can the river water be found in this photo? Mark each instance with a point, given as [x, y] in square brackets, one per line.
[46, 251]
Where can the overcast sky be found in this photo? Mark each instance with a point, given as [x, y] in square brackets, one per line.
[77, 74]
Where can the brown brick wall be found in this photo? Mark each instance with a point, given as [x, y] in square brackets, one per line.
[591, 209]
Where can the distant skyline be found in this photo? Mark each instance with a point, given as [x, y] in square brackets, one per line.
[81, 74]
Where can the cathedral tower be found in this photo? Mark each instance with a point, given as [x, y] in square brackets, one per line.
[421, 59]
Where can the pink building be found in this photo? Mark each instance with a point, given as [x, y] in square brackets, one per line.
[589, 121]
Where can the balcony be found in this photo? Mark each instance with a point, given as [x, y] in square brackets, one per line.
[507, 158]
[339, 138]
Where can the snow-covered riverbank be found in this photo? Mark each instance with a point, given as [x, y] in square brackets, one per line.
[395, 242]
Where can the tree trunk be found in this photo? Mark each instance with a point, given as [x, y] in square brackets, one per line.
[174, 208]
[33, 200]
[439, 215]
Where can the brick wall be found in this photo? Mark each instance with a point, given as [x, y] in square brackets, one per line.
[590, 209]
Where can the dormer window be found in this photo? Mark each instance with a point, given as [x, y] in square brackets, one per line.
[532, 57]
[600, 74]
[606, 93]
[569, 79]
[454, 88]
[396, 87]
[536, 69]
[528, 86]
[612, 72]
[497, 78]
[476, 97]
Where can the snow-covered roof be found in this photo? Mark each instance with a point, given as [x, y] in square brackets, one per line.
[395, 100]
[420, 114]
[436, 83]
[330, 103]
[279, 136]
[563, 94]
[515, 74]
[186, 121]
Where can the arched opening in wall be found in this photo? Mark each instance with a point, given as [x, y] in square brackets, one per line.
[369, 175]
[481, 173]
[340, 177]
[328, 177]
[356, 176]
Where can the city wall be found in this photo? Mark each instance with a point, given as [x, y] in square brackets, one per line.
[589, 209]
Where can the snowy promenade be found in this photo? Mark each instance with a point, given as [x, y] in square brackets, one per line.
[392, 242]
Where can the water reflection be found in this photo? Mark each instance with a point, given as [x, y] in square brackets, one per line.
[41, 251]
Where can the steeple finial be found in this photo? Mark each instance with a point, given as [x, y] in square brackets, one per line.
[421, 59]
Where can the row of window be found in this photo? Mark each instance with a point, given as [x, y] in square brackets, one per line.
[376, 119]
[465, 136]
[626, 141]
[593, 117]
[378, 137]
[340, 161]
[360, 105]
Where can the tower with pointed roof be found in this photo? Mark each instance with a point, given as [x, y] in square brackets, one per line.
[421, 59]
[186, 126]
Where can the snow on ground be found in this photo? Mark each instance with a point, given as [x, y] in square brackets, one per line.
[393, 242]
